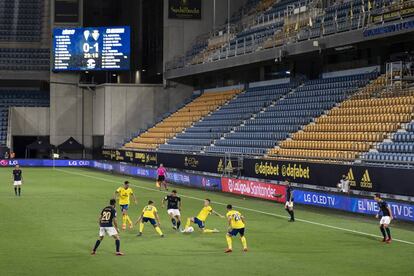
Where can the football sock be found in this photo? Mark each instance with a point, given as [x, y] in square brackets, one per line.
[158, 230]
[98, 242]
[383, 231]
[292, 215]
[208, 231]
[174, 223]
[20, 189]
[124, 219]
[388, 232]
[188, 223]
[15, 191]
[229, 242]
[244, 242]
[117, 245]
[141, 227]
[128, 220]
[178, 224]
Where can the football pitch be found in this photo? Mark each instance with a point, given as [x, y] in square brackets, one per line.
[52, 227]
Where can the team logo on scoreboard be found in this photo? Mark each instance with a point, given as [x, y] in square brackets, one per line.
[86, 34]
[95, 34]
[90, 63]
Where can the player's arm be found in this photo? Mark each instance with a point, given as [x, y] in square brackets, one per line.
[157, 218]
[229, 222]
[116, 194]
[135, 199]
[140, 218]
[217, 214]
[163, 202]
[243, 219]
[115, 224]
[179, 205]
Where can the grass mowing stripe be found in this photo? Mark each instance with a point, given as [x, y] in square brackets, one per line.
[243, 208]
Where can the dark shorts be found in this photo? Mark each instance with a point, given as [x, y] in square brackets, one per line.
[150, 220]
[124, 207]
[234, 232]
[161, 178]
[199, 223]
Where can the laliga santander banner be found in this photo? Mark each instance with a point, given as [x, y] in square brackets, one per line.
[253, 189]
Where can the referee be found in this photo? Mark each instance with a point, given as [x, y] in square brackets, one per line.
[173, 208]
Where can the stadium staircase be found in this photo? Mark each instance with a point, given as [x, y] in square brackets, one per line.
[353, 127]
[181, 119]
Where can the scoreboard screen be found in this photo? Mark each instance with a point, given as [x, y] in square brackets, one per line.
[89, 49]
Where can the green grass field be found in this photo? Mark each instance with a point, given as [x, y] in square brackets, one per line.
[51, 229]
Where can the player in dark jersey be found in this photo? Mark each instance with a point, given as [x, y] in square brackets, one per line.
[386, 217]
[108, 225]
[17, 180]
[173, 208]
[289, 201]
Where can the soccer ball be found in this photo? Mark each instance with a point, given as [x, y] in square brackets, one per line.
[189, 229]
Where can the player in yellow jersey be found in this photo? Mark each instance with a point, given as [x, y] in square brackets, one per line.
[123, 194]
[236, 226]
[201, 218]
[150, 214]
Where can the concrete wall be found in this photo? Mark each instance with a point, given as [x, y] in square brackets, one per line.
[180, 34]
[119, 111]
[68, 105]
[30, 121]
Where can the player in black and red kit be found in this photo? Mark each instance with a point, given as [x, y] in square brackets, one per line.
[108, 225]
[17, 180]
[173, 208]
[386, 217]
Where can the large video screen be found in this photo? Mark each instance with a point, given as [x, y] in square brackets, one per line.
[91, 49]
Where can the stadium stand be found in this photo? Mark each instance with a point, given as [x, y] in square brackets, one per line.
[215, 127]
[18, 97]
[21, 20]
[353, 127]
[181, 119]
[266, 24]
[27, 59]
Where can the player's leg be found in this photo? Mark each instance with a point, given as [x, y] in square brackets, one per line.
[243, 239]
[117, 245]
[388, 231]
[99, 240]
[229, 243]
[157, 228]
[141, 227]
[201, 225]
[173, 221]
[165, 185]
[124, 217]
[188, 223]
[15, 190]
[178, 220]
[19, 189]
[382, 229]
[128, 220]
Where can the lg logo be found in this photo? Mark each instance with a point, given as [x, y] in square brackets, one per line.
[5, 163]
[78, 163]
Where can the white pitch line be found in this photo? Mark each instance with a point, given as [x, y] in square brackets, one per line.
[241, 207]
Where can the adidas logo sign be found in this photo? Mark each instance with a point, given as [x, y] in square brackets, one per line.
[366, 180]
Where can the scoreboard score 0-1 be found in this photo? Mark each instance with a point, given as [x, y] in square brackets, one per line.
[91, 48]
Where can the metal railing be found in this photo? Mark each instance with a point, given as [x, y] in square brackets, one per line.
[305, 29]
